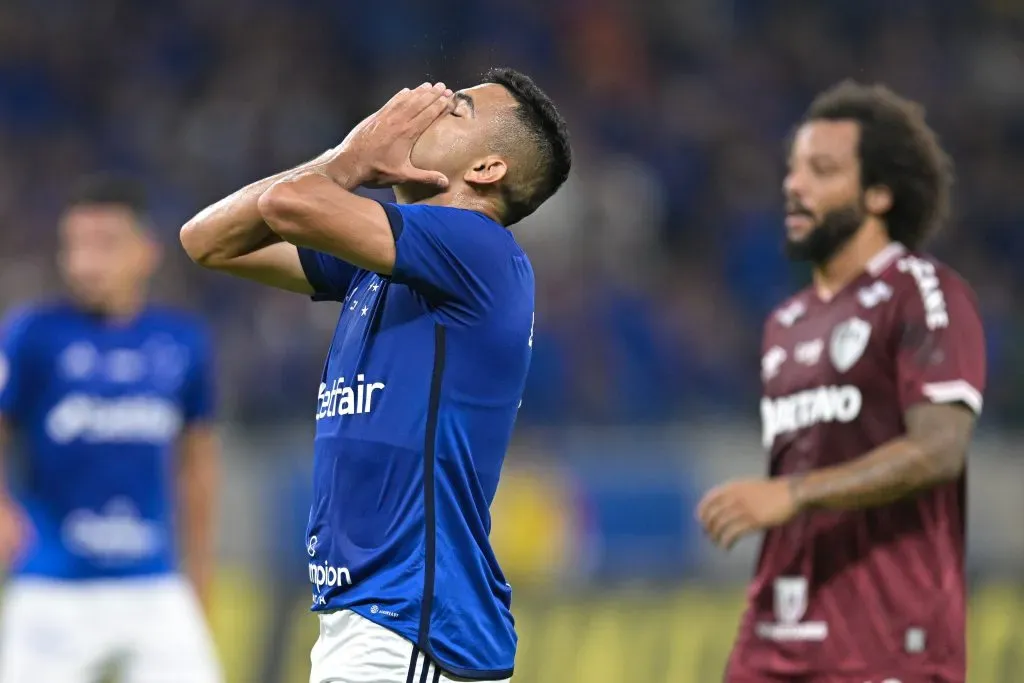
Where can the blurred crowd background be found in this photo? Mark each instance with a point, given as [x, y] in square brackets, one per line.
[656, 264]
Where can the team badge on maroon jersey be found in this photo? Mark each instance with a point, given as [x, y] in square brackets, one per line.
[790, 599]
[849, 340]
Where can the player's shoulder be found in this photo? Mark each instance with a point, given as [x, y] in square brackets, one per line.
[920, 277]
[29, 318]
[917, 288]
[791, 310]
[904, 267]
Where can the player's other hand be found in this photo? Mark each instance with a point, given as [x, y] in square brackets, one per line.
[15, 532]
[737, 508]
[378, 150]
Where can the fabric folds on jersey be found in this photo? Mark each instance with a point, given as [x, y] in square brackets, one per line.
[414, 415]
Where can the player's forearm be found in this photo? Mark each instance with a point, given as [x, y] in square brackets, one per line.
[305, 203]
[893, 471]
[306, 186]
[199, 569]
[932, 452]
[884, 475]
[317, 209]
[234, 226]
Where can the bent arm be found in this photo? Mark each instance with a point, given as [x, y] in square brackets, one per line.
[314, 209]
[231, 236]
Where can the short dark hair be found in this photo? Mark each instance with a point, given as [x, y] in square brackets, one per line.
[544, 129]
[897, 149]
[109, 188]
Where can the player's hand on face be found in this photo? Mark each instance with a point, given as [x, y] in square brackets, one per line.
[737, 508]
[15, 532]
[379, 148]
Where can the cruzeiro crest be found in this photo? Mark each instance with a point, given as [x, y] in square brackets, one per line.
[849, 340]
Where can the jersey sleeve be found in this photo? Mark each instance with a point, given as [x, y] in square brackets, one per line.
[199, 402]
[329, 276]
[941, 355]
[459, 260]
[15, 347]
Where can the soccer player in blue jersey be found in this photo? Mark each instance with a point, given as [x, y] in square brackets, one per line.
[426, 370]
[109, 403]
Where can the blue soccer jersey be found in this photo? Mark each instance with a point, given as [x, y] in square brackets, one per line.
[413, 417]
[97, 409]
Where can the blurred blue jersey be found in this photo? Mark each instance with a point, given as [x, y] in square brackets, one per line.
[413, 416]
[97, 409]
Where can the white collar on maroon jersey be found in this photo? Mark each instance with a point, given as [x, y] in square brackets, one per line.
[883, 259]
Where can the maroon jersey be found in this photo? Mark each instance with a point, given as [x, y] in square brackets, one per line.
[877, 592]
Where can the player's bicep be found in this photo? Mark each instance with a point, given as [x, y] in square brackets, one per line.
[313, 211]
[943, 432]
[198, 468]
[198, 446]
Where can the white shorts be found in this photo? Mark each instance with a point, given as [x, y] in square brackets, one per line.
[352, 649]
[149, 630]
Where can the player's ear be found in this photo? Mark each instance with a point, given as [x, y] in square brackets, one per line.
[878, 200]
[486, 171]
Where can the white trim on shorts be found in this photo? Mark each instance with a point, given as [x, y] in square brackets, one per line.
[353, 649]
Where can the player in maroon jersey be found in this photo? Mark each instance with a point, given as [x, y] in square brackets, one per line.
[873, 379]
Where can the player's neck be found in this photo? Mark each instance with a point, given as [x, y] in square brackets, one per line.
[122, 309]
[850, 261]
[457, 196]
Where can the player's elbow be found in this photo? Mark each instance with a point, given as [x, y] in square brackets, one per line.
[196, 244]
[946, 458]
[940, 435]
[283, 206]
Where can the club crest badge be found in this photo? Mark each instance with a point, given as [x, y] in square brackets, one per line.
[790, 599]
[848, 343]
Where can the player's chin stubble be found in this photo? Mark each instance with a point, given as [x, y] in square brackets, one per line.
[834, 230]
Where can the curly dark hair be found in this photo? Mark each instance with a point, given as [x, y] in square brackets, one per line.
[897, 149]
[542, 133]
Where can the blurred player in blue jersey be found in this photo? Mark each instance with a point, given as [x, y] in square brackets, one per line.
[109, 402]
[425, 373]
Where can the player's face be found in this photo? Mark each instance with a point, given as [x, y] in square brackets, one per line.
[459, 141]
[104, 254]
[824, 198]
